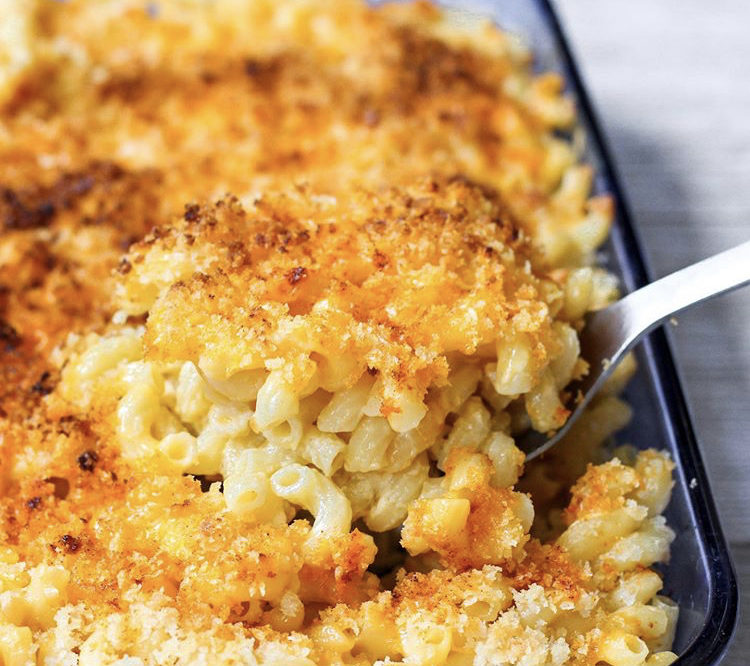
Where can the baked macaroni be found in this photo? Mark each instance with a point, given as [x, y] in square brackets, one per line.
[277, 426]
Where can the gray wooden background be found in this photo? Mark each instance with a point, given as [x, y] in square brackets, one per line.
[671, 82]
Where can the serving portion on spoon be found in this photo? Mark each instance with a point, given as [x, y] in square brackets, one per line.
[610, 333]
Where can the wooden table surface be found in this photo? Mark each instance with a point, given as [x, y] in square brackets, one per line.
[671, 82]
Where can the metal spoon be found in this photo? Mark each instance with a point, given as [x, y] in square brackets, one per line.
[610, 333]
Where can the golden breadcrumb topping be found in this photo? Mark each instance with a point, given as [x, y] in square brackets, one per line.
[58, 245]
[398, 281]
[495, 529]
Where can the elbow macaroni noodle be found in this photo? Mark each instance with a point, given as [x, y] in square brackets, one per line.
[177, 415]
[292, 441]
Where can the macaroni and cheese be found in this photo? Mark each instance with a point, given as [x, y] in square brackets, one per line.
[280, 282]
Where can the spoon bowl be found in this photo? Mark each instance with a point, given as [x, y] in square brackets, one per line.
[610, 333]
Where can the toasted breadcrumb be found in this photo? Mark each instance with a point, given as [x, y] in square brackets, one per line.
[397, 280]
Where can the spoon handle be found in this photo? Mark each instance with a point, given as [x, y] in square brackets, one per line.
[650, 306]
[611, 332]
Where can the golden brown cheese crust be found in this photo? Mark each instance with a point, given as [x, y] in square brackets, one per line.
[383, 99]
[59, 242]
[170, 118]
[145, 532]
[398, 281]
[493, 532]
